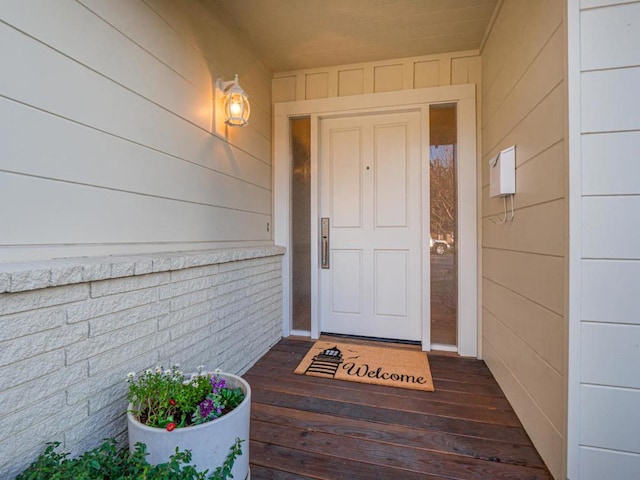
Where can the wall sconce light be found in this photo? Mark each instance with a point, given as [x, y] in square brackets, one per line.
[236, 103]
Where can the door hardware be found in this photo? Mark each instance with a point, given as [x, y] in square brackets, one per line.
[324, 242]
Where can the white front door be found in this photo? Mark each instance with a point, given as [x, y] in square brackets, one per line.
[370, 180]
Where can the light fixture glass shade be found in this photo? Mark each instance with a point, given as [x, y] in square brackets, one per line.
[236, 105]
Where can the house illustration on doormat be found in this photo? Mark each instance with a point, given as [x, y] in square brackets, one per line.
[326, 363]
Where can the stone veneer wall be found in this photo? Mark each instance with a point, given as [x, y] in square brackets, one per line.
[71, 329]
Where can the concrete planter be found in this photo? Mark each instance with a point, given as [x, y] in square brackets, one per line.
[210, 442]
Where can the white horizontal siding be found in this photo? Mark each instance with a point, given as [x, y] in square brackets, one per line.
[72, 152]
[610, 418]
[108, 216]
[106, 130]
[210, 34]
[585, 4]
[610, 163]
[605, 31]
[74, 92]
[600, 365]
[610, 291]
[183, 36]
[596, 464]
[605, 418]
[155, 35]
[79, 33]
[609, 100]
[611, 227]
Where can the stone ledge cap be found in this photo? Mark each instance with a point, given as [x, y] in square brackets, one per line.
[21, 277]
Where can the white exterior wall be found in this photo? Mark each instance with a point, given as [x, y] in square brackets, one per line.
[106, 143]
[524, 320]
[604, 106]
[70, 330]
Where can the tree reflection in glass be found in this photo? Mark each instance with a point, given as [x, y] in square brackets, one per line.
[444, 223]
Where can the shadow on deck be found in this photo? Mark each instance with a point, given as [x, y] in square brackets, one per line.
[315, 428]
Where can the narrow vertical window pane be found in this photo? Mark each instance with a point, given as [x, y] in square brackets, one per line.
[301, 223]
[444, 224]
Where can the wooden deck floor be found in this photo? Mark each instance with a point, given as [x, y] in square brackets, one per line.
[315, 428]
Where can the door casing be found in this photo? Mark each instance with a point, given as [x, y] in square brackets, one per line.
[467, 241]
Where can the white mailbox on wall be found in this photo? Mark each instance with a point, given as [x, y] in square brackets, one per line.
[502, 173]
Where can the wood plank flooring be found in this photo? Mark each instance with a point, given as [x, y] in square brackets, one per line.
[316, 428]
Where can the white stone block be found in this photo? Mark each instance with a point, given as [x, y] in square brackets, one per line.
[32, 300]
[113, 397]
[83, 390]
[18, 325]
[22, 418]
[185, 314]
[40, 387]
[127, 318]
[91, 434]
[16, 465]
[29, 276]
[96, 270]
[187, 300]
[223, 300]
[127, 284]
[44, 431]
[178, 347]
[114, 356]
[18, 373]
[66, 275]
[181, 288]
[5, 282]
[162, 264]
[107, 305]
[197, 326]
[43, 342]
[195, 260]
[143, 266]
[102, 343]
[122, 267]
[195, 272]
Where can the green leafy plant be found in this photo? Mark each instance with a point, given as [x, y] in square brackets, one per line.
[108, 462]
[167, 399]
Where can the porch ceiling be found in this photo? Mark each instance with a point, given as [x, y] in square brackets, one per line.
[300, 34]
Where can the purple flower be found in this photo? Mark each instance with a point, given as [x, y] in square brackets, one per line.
[217, 384]
[206, 407]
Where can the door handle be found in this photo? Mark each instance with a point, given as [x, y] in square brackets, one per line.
[324, 242]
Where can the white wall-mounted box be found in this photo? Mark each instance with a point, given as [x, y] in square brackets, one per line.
[502, 173]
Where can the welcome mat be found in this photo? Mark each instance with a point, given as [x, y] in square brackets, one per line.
[384, 365]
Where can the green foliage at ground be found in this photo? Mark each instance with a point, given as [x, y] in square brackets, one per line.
[108, 462]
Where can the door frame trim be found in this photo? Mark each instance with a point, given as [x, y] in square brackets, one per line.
[467, 241]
